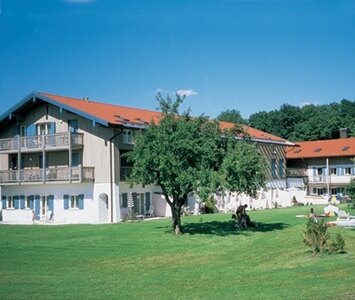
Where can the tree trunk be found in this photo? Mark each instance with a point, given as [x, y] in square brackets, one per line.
[176, 218]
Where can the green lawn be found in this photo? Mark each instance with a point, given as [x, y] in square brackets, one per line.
[143, 260]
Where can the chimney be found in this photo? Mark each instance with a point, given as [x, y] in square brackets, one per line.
[343, 133]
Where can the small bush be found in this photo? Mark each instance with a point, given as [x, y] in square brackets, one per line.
[210, 206]
[350, 191]
[316, 237]
[338, 245]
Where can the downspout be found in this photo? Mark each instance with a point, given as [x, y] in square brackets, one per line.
[111, 171]
[328, 176]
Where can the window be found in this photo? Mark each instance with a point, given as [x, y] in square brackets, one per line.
[29, 202]
[128, 136]
[10, 202]
[75, 159]
[73, 126]
[45, 128]
[320, 171]
[40, 161]
[141, 202]
[74, 201]
[347, 171]
[333, 171]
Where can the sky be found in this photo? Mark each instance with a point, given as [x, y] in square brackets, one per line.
[247, 55]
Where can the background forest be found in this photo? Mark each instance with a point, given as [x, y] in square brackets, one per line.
[306, 123]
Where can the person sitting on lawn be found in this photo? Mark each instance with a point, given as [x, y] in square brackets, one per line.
[242, 218]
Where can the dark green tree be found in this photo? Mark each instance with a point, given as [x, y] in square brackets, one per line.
[232, 116]
[350, 191]
[309, 123]
[185, 155]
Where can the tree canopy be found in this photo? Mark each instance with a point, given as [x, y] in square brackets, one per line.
[187, 155]
[307, 123]
[232, 116]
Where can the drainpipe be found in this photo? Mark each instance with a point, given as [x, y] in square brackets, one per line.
[327, 176]
[112, 170]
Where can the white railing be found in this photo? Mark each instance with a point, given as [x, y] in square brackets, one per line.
[59, 174]
[331, 179]
[39, 141]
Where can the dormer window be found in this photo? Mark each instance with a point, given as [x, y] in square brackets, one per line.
[127, 135]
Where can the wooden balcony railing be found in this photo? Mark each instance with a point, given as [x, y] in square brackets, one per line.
[294, 172]
[58, 140]
[60, 174]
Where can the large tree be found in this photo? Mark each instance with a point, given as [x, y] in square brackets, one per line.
[308, 123]
[185, 155]
[232, 116]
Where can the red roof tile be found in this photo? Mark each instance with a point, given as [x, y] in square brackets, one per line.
[325, 148]
[113, 114]
[118, 115]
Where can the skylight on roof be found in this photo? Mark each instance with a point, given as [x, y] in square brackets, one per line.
[297, 150]
[318, 150]
[345, 148]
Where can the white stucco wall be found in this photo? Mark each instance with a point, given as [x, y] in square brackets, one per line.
[92, 213]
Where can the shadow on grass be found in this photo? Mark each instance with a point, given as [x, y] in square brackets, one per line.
[228, 228]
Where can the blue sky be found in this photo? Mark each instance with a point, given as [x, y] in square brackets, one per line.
[248, 55]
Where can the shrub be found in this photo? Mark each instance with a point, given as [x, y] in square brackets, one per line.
[316, 237]
[210, 206]
[337, 245]
[350, 191]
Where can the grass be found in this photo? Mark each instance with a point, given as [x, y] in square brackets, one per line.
[143, 260]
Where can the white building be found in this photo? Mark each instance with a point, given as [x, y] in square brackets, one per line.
[61, 161]
[326, 166]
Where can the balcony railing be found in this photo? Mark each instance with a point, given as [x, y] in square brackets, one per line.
[35, 142]
[294, 172]
[60, 174]
[331, 179]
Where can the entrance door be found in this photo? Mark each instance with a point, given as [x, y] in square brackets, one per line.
[44, 207]
[103, 208]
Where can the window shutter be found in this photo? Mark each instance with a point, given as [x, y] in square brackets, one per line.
[81, 201]
[50, 202]
[147, 201]
[22, 202]
[3, 199]
[135, 199]
[314, 171]
[16, 202]
[66, 201]
[37, 206]
[124, 200]
[31, 202]
[353, 171]
[281, 167]
[273, 167]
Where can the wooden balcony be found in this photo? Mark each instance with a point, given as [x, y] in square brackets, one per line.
[294, 172]
[59, 174]
[38, 142]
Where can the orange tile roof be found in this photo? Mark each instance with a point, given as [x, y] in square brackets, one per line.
[113, 114]
[119, 115]
[325, 148]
